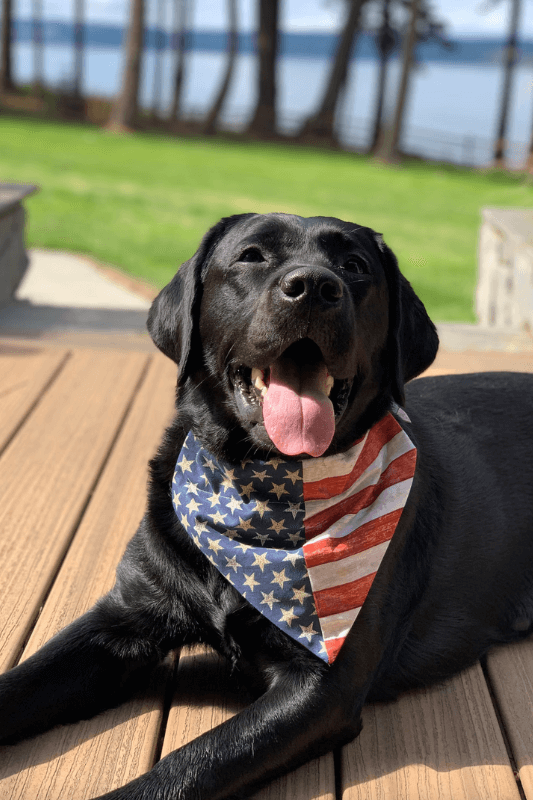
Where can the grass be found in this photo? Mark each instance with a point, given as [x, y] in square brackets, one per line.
[142, 202]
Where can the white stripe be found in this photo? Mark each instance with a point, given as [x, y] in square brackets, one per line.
[316, 469]
[390, 499]
[397, 447]
[338, 625]
[351, 568]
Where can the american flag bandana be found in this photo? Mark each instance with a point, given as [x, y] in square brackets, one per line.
[301, 540]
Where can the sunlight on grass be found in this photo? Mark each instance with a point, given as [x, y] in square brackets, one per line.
[143, 202]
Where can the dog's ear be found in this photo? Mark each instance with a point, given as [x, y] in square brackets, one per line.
[174, 312]
[413, 341]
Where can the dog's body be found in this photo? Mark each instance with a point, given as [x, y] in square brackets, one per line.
[272, 294]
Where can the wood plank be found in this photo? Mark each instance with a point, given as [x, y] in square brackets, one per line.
[206, 697]
[95, 756]
[46, 475]
[443, 743]
[511, 675]
[25, 371]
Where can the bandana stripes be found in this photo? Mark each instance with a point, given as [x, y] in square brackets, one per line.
[301, 540]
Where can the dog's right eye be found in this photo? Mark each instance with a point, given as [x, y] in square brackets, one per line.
[251, 255]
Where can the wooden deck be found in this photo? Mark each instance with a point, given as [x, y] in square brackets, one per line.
[77, 427]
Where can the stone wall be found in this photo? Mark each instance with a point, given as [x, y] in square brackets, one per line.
[13, 257]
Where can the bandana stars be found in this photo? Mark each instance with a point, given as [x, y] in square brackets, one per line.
[251, 581]
[278, 489]
[248, 521]
[293, 476]
[260, 560]
[269, 599]
[214, 499]
[261, 506]
[185, 465]
[277, 526]
[234, 504]
[247, 490]
[287, 616]
[279, 577]
[232, 563]
[192, 505]
[300, 594]
[308, 632]
[260, 476]
[218, 517]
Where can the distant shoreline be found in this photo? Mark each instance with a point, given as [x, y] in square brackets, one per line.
[465, 50]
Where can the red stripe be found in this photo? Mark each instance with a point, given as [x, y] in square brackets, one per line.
[332, 648]
[378, 436]
[368, 535]
[398, 470]
[344, 597]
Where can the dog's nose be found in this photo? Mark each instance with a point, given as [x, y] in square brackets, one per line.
[317, 284]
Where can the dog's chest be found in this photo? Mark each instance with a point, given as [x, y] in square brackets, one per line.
[301, 540]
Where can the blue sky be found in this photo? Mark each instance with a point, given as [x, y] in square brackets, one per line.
[463, 17]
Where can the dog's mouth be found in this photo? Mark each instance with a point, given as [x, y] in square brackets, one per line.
[296, 399]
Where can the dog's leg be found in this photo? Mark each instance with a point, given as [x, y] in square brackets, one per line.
[80, 672]
[302, 716]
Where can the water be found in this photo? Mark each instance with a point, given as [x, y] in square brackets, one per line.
[451, 113]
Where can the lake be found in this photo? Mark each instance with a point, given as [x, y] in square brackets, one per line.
[451, 114]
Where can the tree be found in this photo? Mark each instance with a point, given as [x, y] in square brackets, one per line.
[79, 18]
[6, 73]
[386, 41]
[182, 10]
[38, 60]
[389, 149]
[233, 37]
[422, 26]
[158, 52]
[263, 122]
[124, 112]
[320, 126]
[510, 61]
[529, 160]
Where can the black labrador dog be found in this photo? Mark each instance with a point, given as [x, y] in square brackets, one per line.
[294, 339]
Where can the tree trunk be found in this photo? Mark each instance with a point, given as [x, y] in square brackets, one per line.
[264, 119]
[391, 138]
[511, 58]
[158, 54]
[385, 41]
[182, 18]
[212, 117]
[124, 113]
[79, 17]
[319, 128]
[38, 60]
[6, 75]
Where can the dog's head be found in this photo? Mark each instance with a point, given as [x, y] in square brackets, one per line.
[290, 334]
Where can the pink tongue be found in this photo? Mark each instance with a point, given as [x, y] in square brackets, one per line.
[297, 412]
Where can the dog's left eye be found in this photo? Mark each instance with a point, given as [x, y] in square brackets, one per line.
[252, 255]
[355, 264]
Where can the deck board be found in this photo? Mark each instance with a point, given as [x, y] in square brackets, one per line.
[46, 475]
[77, 428]
[442, 742]
[206, 697]
[511, 674]
[57, 764]
[26, 372]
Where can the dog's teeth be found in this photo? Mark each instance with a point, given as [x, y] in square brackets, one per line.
[258, 382]
[330, 380]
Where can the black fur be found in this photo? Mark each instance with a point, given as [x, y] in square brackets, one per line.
[456, 578]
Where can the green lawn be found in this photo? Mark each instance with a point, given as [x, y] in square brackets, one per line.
[142, 202]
